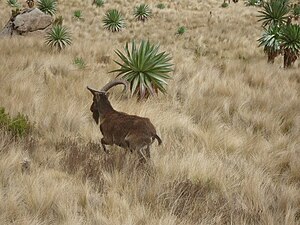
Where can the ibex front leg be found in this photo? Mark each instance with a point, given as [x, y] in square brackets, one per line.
[103, 143]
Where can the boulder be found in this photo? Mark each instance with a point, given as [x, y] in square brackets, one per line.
[26, 22]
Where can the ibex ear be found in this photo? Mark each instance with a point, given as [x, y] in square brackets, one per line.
[91, 90]
[107, 94]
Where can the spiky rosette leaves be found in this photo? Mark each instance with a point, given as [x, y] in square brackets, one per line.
[13, 3]
[47, 6]
[58, 37]
[113, 20]
[144, 68]
[142, 12]
[274, 12]
[296, 11]
[253, 2]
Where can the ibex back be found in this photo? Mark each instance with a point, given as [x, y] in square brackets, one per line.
[127, 131]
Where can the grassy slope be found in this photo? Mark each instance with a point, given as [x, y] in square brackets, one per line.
[229, 123]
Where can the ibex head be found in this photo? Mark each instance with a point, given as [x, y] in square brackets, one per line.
[101, 103]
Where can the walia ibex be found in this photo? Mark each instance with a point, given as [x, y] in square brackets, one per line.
[127, 131]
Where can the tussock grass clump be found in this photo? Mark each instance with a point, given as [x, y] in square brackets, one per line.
[183, 197]
[91, 162]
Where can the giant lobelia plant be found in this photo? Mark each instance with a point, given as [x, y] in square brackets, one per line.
[113, 20]
[58, 37]
[271, 43]
[47, 6]
[280, 35]
[142, 12]
[290, 43]
[145, 68]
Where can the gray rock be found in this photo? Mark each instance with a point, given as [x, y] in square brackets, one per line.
[26, 22]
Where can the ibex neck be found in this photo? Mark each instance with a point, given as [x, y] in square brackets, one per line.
[105, 108]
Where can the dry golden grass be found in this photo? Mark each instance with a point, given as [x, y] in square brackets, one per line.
[230, 125]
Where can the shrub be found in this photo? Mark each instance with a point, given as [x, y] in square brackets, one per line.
[47, 6]
[144, 68]
[78, 15]
[19, 126]
[113, 20]
[253, 2]
[4, 117]
[161, 5]
[142, 12]
[79, 62]
[224, 5]
[58, 37]
[181, 30]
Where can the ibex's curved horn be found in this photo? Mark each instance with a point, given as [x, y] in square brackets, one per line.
[91, 90]
[114, 83]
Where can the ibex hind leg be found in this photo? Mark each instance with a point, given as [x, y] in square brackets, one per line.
[147, 151]
[145, 156]
[127, 146]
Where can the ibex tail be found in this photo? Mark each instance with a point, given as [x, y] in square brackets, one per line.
[157, 138]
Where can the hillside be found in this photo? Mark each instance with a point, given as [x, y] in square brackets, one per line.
[230, 124]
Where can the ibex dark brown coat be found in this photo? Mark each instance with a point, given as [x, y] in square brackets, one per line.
[127, 131]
